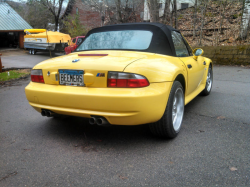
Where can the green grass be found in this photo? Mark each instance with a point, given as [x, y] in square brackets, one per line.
[9, 75]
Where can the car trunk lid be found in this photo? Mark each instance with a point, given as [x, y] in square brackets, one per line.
[95, 64]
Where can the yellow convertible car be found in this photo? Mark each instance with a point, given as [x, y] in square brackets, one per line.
[127, 74]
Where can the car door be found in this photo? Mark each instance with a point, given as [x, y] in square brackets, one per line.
[195, 68]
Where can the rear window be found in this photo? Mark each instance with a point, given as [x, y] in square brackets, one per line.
[125, 39]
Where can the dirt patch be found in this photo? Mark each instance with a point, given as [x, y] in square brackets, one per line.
[24, 71]
[9, 78]
[13, 52]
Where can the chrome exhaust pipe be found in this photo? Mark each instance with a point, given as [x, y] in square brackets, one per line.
[102, 121]
[92, 120]
[49, 113]
[43, 113]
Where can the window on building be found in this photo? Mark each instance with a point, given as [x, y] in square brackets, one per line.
[184, 5]
[77, 10]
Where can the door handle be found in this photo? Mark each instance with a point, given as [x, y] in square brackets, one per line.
[189, 66]
[204, 63]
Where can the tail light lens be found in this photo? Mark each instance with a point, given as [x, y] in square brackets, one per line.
[126, 80]
[37, 75]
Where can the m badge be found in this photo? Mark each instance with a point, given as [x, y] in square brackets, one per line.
[100, 75]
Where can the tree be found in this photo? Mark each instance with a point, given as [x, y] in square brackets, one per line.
[33, 12]
[245, 19]
[195, 18]
[55, 7]
[204, 4]
[166, 15]
[153, 7]
[175, 14]
[74, 27]
[117, 11]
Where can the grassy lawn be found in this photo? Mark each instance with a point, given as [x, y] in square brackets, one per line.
[14, 74]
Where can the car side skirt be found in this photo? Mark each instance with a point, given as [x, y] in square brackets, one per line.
[192, 95]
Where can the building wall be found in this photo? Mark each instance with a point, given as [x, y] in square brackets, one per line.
[15, 39]
[21, 39]
[161, 10]
[88, 16]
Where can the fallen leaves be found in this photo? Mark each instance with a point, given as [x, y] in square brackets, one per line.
[122, 177]
[221, 117]
[233, 169]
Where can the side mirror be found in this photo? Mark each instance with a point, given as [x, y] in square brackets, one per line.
[197, 52]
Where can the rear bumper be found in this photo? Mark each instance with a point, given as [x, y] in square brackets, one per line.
[120, 106]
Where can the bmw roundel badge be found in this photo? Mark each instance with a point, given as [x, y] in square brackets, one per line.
[75, 60]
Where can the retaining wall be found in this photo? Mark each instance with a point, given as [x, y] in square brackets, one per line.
[228, 55]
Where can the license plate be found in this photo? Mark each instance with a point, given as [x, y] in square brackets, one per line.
[71, 77]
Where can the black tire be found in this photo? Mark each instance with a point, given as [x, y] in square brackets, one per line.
[33, 51]
[165, 127]
[208, 87]
[30, 52]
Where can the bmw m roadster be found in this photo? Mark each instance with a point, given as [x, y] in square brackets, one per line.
[126, 74]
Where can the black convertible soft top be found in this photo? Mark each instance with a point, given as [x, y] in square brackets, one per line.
[161, 41]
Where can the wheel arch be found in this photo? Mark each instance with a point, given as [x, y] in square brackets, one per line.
[181, 79]
[209, 62]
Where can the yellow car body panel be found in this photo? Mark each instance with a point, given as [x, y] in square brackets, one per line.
[115, 61]
[120, 106]
[158, 68]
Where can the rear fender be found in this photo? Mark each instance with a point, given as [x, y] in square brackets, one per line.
[158, 68]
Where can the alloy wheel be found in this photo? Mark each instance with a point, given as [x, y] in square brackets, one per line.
[178, 109]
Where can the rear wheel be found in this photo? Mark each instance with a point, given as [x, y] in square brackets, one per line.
[209, 82]
[170, 124]
[33, 52]
[30, 51]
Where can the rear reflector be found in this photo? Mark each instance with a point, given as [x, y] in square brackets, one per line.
[126, 80]
[37, 75]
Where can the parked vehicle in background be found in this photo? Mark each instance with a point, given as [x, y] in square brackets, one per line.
[42, 40]
[75, 42]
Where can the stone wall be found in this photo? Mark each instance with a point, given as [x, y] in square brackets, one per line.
[228, 55]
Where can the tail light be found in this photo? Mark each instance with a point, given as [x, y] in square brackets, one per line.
[37, 75]
[126, 80]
